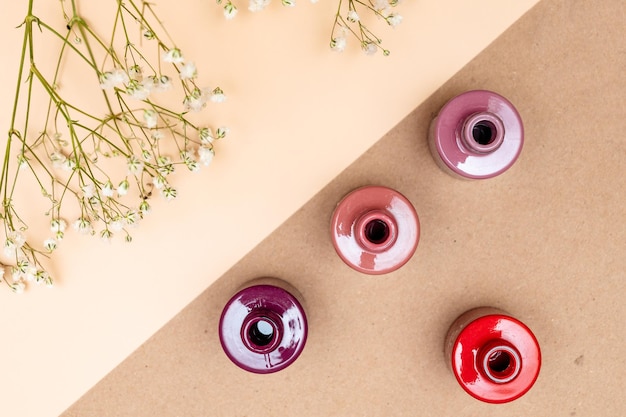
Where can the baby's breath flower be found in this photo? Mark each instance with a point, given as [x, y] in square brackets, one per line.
[122, 188]
[117, 224]
[58, 225]
[230, 11]
[113, 78]
[15, 240]
[30, 272]
[382, 6]
[217, 95]
[196, 100]
[159, 182]
[83, 226]
[156, 135]
[173, 56]
[257, 5]
[94, 201]
[42, 277]
[338, 44]
[164, 84]
[144, 208]
[22, 161]
[206, 155]
[88, 190]
[58, 159]
[192, 165]
[150, 118]
[188, 71]
[50, 244]
[131, 217]
[148, 34]
[9, 248]
[165, 166]
[189, 161]
[69, 165]
[18, 287]
[352, 16]
[394, 19]
[20, 269]
[135, 73]
[138, 90]
[222, 132]
[135, 165]
[107, 189]
[169, 193]
[206, 135]
[106, 235]
[48, 281]
[149, 83]
[369, 48]
[16, 275]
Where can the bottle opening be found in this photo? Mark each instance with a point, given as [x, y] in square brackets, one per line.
[501, 364]
[484, 132]
[261, 333]
[499, 361]
[377, 231]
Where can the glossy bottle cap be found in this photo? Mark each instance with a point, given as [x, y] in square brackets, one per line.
[494, 357]
[375, 230]
[263, 329]
[476, 135]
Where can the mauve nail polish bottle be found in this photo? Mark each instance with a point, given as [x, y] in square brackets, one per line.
[476, 135]
[494, 357]
[263, 328]
[375, 230]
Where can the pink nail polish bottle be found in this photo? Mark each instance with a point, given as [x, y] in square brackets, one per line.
[263, 328]
[375, 230]
[476, 135]
[494, 357]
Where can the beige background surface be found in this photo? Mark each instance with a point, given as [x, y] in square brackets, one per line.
[545, 241]
[299, 114]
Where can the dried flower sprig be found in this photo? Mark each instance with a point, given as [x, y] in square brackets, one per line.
[349, 19]
[104, 166]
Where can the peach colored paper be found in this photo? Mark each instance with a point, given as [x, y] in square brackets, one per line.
[298, 114]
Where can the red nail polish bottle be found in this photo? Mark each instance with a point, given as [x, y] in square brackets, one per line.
[476, 135]
[494, 357]
[263, 328]
[375, 230]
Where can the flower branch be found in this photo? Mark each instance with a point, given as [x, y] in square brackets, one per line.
[349, 20]
[104, 166]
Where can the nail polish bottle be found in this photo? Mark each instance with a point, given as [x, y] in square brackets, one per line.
[263, 327]
[494, 357]
[476, 135]
[375, 230]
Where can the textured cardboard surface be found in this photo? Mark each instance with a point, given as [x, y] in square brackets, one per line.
[545, 242]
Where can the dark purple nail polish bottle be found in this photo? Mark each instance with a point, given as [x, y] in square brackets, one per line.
[263, 328]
